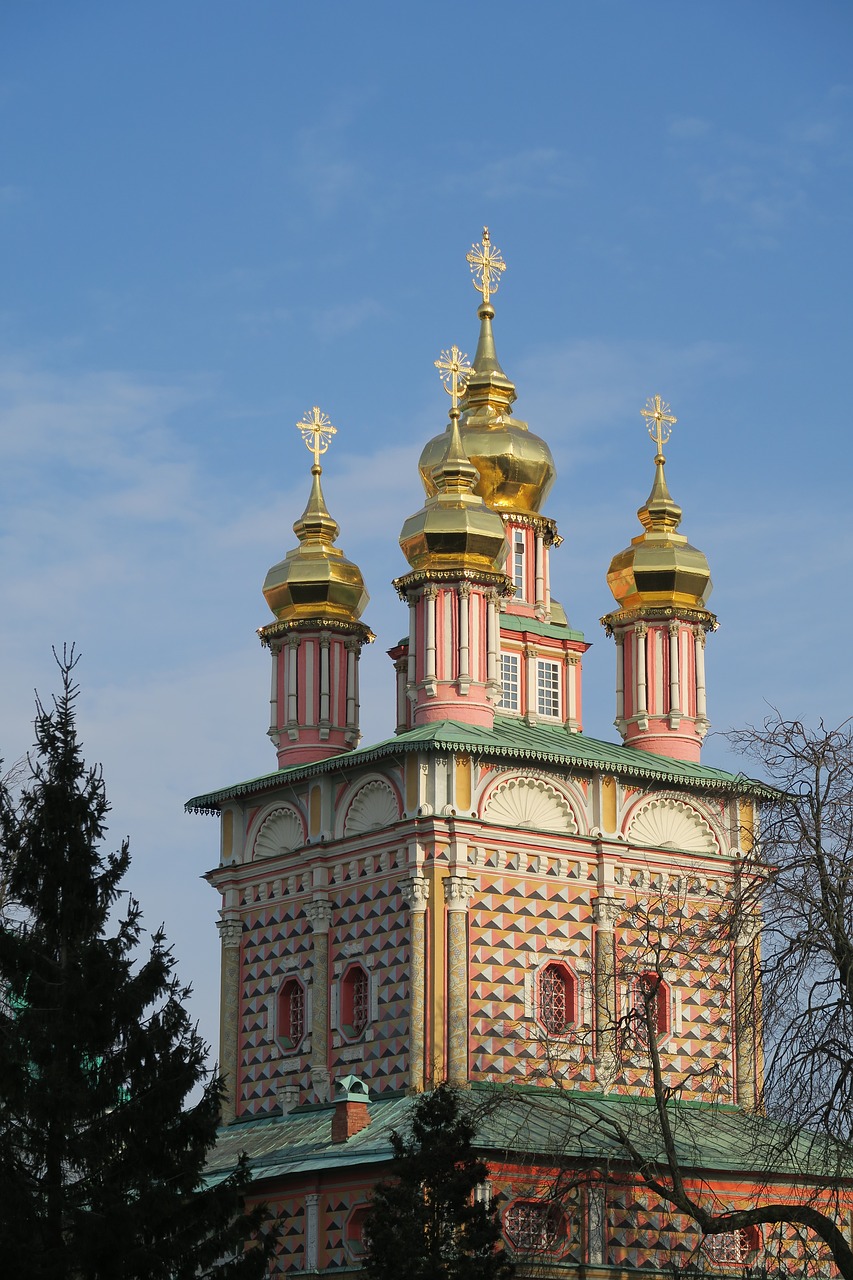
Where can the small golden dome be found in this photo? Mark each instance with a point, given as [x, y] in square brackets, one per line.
[315, 580]
[660, 568]
[516, 469]
[454, 529]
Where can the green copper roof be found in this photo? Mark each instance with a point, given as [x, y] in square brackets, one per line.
[515, 622]
[543, 1124]
[510, 739]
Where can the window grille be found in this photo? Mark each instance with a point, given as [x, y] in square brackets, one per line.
[727, 1248]
[360, 1001]
[555, 1001]
[509, 682]
[291, 1013]
[531, 1225]
[548, 689]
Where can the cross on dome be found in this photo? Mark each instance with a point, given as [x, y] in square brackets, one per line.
[454, 369]
[486, 266]
[659, 420]
[317, 431]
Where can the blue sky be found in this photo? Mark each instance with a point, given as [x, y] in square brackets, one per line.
[213, 216]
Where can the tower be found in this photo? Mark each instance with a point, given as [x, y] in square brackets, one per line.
[661, 585]
[317, 596]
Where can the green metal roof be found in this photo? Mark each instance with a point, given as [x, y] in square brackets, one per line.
[541, 1125]
[516, 622]
[510, 739]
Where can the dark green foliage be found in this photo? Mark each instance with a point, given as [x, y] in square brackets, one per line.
[101, 1158]
[424, 1222]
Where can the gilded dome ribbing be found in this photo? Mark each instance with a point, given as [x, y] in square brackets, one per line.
[660, 568]
[516, 469]
[454, 530]
[315, 581]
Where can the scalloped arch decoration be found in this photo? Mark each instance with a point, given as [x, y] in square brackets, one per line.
[530, 803]
[666, 822]
[374, 807]
[281, 832]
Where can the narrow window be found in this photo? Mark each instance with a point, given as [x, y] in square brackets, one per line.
[556, 1005]
[290, 1014]
[518, 564]
[355, 1001]
[650, 991]
[548, 689]
[354, 1233]
[509, 682]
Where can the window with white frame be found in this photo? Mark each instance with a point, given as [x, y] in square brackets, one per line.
[509, 682]
[518, 563]
[548, 689]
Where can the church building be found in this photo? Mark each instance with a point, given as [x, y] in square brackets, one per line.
[488, 896]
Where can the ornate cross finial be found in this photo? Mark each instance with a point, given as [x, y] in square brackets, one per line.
[316, 430]
[486, 266]
[454, 369]
[660, 422]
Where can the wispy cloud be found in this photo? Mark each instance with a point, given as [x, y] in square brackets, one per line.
[545, 168]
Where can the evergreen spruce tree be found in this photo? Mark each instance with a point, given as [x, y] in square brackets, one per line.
[425, 1222]
[101, 1151]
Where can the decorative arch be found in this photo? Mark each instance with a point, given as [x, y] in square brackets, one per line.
[373, 808]
[280, 832]
[531, 803]
[670, 822]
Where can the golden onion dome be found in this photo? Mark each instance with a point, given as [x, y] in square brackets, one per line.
[315, 581]
[516, 469]
[660, 568]
[454, 529]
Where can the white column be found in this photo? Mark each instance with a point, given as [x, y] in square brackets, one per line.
[416, 895]
[319, 913]
[492, 641]
[429, 652]
[640, 669]
[547, 557]
[464, 636]
[352, 712]
[530, 670]
[324, 678]
[292, 647]
[274, 692]
[312, 1232]
[619, 637]
[539, 602]
[571, 692]
[412, 675]
[674, 675]
[701, 703]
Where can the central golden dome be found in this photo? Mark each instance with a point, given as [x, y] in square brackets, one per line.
[516, 469]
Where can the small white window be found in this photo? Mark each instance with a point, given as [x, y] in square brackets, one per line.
[548, 689]
[518, 564]
[509, 682]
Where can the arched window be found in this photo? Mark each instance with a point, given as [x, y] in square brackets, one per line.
[290, 1013]
[650, 992]
[355, 1001]
[533, 1225]
[556, 1008]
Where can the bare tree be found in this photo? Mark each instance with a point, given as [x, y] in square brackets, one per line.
[784, 926]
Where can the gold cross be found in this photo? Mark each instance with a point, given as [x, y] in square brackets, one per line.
[658, 414]
[454, 370]
[486, 266]
[316, 432]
